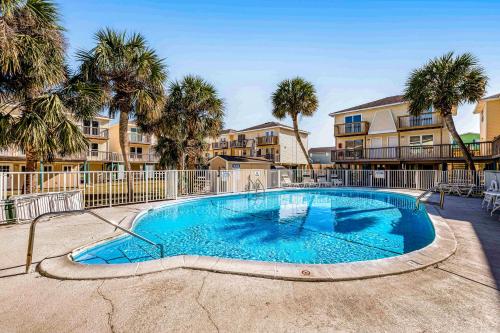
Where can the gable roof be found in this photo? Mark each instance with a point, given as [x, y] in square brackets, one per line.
[391, 100]
[241, 159]
[269, 124]
[228, 130]
[480, 105]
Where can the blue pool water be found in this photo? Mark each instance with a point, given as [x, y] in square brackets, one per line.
[317, 226]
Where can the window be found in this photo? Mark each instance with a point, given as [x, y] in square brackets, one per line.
[354, 148]
[4, 168]
[67, 168]
[269, 133]
[47, 168]
[136, 151]
[241, 137]
[91, 127]
[425, 140]
[353, 124]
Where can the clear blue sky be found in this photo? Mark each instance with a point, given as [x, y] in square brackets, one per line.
[353, 51]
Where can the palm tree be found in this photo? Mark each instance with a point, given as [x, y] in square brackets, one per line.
[131, 76]
[293, 98]
[444, 83]
[194, 112]
[37, 100]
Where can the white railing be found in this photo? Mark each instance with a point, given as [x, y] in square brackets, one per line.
[108, 188]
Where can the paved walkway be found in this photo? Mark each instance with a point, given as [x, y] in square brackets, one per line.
[460, 295]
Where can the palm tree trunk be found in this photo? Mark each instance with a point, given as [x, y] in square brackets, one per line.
[448, 119]
[124, 146]
[297, 136]
[31, 161]
[191, 159]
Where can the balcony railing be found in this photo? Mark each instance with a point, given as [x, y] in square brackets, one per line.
[238, 143]
[427, 120]
[415, 153]
[220, 145]
[347, 129]
[95, 132]
[11, 154]
[270, 157]
[267, 140]
[139, 138]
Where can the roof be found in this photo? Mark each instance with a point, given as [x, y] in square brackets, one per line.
[228, 130]
[391, 100]
[321, 149]
[269, 124]
[480, 105]
[492, 96]
[241, 159]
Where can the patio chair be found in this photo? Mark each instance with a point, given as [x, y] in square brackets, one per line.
[490, 195]
[322, 182]
[307, 181]
[336, 181]
[286, 182]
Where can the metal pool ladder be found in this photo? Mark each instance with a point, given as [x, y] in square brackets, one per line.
[257, 184]
[432, 189]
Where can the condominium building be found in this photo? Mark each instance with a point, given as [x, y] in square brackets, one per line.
[141, 152]
[272, 141]
[95, 130]
[103, 153]
[381, 134]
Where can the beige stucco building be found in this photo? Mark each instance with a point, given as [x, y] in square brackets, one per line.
[271, 141]
[382, 135]
[489, 117]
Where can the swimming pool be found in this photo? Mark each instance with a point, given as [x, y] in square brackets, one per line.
[307, 226]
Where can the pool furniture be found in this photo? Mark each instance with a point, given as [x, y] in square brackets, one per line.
[337, 181]
[490, 195]
[322, 182]
[286, 182]
[459, 188]
[307, 181]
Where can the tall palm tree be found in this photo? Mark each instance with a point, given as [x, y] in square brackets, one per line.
[130, 74]
[37, 100]
[444, 83]
[194, 112]
[295, 97]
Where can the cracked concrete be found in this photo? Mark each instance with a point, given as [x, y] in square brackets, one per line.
[459, 296]
[203, 306]
[112, 307]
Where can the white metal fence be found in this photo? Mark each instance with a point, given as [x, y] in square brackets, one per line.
[108, 188]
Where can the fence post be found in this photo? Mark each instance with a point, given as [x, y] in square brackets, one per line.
[279, 178]
[110, 188]
[147, 184]
[217, 183]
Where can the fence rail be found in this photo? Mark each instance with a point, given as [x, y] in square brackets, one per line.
[108, 188]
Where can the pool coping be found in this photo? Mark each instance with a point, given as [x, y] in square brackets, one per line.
[443, 246]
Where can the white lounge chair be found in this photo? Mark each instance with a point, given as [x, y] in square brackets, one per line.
[286, 182]
[307, 181]
[490, 195]
[322, 182]
[337, 181]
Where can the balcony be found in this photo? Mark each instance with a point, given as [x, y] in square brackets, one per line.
[270, 157]
[143, 158]
[95, 132]
[448, 152]
[267, 140]
[220, 145]
[351, 129]
[427, 120]
[239, 143]
[139, 138]
[18, 155]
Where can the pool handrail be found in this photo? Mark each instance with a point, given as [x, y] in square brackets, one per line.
[31, 241]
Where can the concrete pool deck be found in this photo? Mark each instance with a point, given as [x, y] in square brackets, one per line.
[459, 294]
